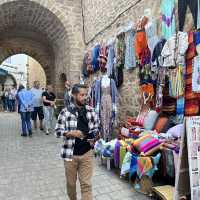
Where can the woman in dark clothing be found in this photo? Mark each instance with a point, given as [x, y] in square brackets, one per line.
[21, 87]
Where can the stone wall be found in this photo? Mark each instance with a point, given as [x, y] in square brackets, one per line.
[35, 73]
[48, 30]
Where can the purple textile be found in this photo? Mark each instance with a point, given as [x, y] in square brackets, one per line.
[117, 154]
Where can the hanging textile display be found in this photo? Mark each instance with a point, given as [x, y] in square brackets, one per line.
[151, 31]
[174, 50]
[130, 59]
[176, 84]
[120, 50]
[95, 56]
[110, 60]
[198, 15]
[182, 10]
[168, 18]
[159, 88]
[196, 75]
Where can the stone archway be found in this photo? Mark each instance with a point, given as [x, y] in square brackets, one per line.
[48, 31]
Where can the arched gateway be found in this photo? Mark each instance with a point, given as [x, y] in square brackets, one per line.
[48, 30]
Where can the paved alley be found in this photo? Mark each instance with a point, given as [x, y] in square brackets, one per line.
[31, 169]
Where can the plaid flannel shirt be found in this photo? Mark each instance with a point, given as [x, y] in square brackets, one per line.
[67, 121]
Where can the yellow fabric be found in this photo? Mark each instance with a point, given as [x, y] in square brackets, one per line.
[165, 192]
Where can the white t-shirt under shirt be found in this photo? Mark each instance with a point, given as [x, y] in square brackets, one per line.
[37, 97]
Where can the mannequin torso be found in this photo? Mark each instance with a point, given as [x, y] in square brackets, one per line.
[105, 81]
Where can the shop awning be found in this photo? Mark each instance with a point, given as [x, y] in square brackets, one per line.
[3, 72]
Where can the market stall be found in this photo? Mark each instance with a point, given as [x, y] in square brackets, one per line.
[147, 146]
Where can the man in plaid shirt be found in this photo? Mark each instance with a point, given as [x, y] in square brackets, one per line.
[78, 124]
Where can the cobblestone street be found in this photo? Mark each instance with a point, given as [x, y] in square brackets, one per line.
[31, 169]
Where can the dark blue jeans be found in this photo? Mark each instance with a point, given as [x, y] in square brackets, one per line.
[26, 122]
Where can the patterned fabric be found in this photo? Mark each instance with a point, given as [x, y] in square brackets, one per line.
[144, 165]
[159, 88]
[176, 83]
[152, 38]
[179, 43]
[120, 52]
[130, 59]
[196, 75]
[168, 18]
[157, 60]
[106, 114]
[67, 121]
[114, 96]
[110, 62]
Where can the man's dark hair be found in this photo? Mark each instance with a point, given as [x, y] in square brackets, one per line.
[21, 87]
[76, 88]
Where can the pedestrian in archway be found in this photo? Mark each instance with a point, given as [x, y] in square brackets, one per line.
[37, 104]
[79, 126]
[6, 100]
[67, 94]
[49, 102]
[12, 99]
[26, 107]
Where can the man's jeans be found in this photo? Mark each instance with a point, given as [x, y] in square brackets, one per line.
[26, 122]
[48, 117]
[83, 167]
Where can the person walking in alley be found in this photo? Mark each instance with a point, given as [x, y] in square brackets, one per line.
[12, 99]
[78, 124]
[37, 104]
[6, 100]
[26, 107]
[49, 100]
[67, 93]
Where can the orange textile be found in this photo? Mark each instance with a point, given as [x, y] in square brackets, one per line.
[140, 42]
[147, 88]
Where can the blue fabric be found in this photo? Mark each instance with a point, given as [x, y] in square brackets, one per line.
[197, 38]
[133, 168]
[110, 62]
[25, 100]
[130, 58]
[26, 122]
[95, 56]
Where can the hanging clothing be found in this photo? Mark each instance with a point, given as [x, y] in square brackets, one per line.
[196, 75]
[180, 109]
[119, 76]
[84, 67]
[152, 37]
[198, 15]
[120, 50]
[168, 18]
[106, 113]
[182, 9]
[176, 83]
[174, 50]
[110, 62]
[130, 59]
[95, 56]
[157, 59]
[140, 43]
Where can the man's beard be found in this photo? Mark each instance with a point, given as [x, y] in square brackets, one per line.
[80, 103]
